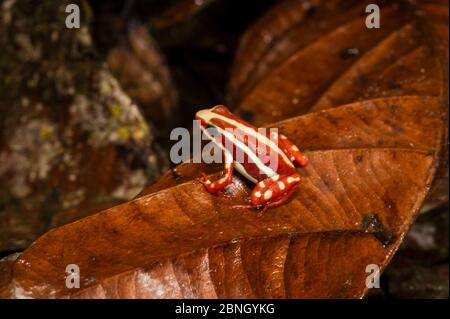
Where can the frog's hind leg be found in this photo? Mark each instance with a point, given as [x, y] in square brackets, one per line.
[272, 192]
[279, 200]
[272, 188]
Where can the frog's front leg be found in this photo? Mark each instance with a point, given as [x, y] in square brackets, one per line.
[226, 179]
[292, 151]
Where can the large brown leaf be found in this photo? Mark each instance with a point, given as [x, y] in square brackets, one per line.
[356, 202]
[310, 55]
[304, 56]
[371, 165]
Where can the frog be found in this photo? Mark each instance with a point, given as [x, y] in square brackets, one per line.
[274, 184]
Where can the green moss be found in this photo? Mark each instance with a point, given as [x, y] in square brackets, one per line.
[116, 110]
[123, 133]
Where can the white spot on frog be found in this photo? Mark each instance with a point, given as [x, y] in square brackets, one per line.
[268, 194]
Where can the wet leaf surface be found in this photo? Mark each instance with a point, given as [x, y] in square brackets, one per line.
[323, 55]
[192, 243]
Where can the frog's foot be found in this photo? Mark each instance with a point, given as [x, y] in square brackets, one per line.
[210, 188]
[217, 186]
[260, 209]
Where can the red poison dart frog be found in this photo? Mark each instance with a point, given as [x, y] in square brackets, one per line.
[274, 183]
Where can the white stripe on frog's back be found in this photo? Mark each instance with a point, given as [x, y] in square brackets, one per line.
[255, 159]
[207, 115]
[242, 170]
[261, 166]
